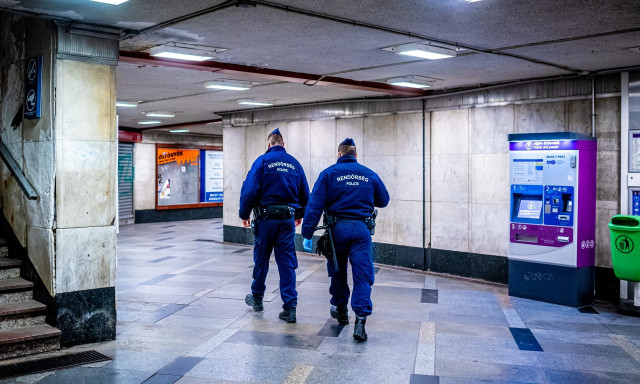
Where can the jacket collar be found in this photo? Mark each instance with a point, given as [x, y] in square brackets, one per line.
[347, 159]
[276, 148]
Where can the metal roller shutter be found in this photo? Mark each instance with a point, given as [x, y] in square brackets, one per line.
[125, 181]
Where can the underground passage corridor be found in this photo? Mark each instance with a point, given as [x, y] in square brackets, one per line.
[182, 318]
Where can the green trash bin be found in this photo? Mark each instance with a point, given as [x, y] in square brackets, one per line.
[625, 246]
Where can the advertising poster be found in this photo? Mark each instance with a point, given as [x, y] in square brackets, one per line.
[212, 177]
[178, 171]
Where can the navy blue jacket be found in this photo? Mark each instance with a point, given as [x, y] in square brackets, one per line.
[275, 178]
[346, 189]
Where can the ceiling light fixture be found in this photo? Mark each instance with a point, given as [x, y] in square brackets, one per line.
[410, 82]
[159, 114]
[228, 85]
[260, 103]
[423, 51]
[181, 53]
[112, 2]
[126, 104]
[179, 131]
[149, 122]
[470, 1]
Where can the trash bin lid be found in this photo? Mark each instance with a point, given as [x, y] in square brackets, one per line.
[625, 223]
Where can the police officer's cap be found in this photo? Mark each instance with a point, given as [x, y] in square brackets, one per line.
[348, 141]
[276, 132]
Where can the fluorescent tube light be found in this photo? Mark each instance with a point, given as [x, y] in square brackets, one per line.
[160, 114]
[126, 104]
[409, 82]
[112, 2]
[260, 103]
[180, 53]
[179, 131]
[424, 51]
[149, 122]
[228, 85]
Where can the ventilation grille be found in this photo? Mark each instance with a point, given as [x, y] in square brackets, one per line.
[51, 364]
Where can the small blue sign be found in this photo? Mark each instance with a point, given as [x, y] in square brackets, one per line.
[33, 88]
[636, 203]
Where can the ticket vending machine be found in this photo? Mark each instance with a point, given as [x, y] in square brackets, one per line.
[553, 214]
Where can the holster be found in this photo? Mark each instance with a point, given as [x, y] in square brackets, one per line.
[299, 214]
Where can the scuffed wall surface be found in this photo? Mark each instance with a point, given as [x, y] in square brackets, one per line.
[467, 167]
[29, 141]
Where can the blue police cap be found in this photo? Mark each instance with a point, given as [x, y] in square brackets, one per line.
[276, 132]
[348, 141]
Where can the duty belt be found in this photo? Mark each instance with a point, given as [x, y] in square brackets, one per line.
[274, 212]
[369, 221]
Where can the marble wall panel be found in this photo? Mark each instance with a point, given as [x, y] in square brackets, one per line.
[234, 143]
[12, 96]
[489, 129]
[450, 132]
[540, 117]
[490, 178]
[386, 224]
[39, 169]
[380, 135]
[145, 182]
[489, 229]
[450, 178]
[14, 207]
[231, 207]
[409, 223]
[86, 101]
[608, 120]
[608, 176]
[256, 141]
[409, 134]
[450, 226]
[353, 128]
[85, 183]
[409, 178]
[83, 258]
[318, 164]
[297, 139]
[41, 253]
[234, 174]
[323, 138]
[605, 210]
[385, 167]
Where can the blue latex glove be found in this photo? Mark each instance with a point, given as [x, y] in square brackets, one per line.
[307, 244]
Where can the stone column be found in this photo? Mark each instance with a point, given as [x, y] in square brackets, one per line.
[70, 156]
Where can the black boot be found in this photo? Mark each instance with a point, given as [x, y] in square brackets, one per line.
[340, 313]
[288, 315]
[358, 331]
[254, 302]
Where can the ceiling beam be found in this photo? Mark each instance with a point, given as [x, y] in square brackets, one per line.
[142, 58]
[176, 125]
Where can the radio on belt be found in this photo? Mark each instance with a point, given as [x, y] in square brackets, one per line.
[553, 212]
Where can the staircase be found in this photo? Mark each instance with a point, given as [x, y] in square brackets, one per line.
[22, 320]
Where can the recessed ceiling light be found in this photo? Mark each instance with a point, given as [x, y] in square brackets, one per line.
[423, 51]
[149, 122]
[112, 2]
[159, 114]
[181, 53]
[409, 82]
[179, 131]
[126, 104]
[228, 85]
[261, 103]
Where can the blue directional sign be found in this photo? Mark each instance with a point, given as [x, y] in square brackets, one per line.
[33, 88]
[636, 203]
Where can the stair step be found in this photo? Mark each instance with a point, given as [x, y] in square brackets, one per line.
[4, 247]
[27, 340]
[22, 314]
[15, 289]
[9, 268]
[15, 284]
[6, 263]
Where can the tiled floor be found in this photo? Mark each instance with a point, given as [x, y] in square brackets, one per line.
[182, 318]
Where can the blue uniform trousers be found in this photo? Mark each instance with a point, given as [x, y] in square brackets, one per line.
[352, 240]
[277, 236]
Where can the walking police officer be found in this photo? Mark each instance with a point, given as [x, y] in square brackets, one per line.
[276, 190]
[349, 192]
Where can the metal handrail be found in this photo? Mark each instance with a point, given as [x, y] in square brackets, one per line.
[17, 173]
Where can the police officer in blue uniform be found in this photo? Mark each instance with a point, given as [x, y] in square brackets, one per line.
[349, 192]
[276, 190]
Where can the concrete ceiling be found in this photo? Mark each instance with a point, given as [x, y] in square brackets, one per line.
[582, 36]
